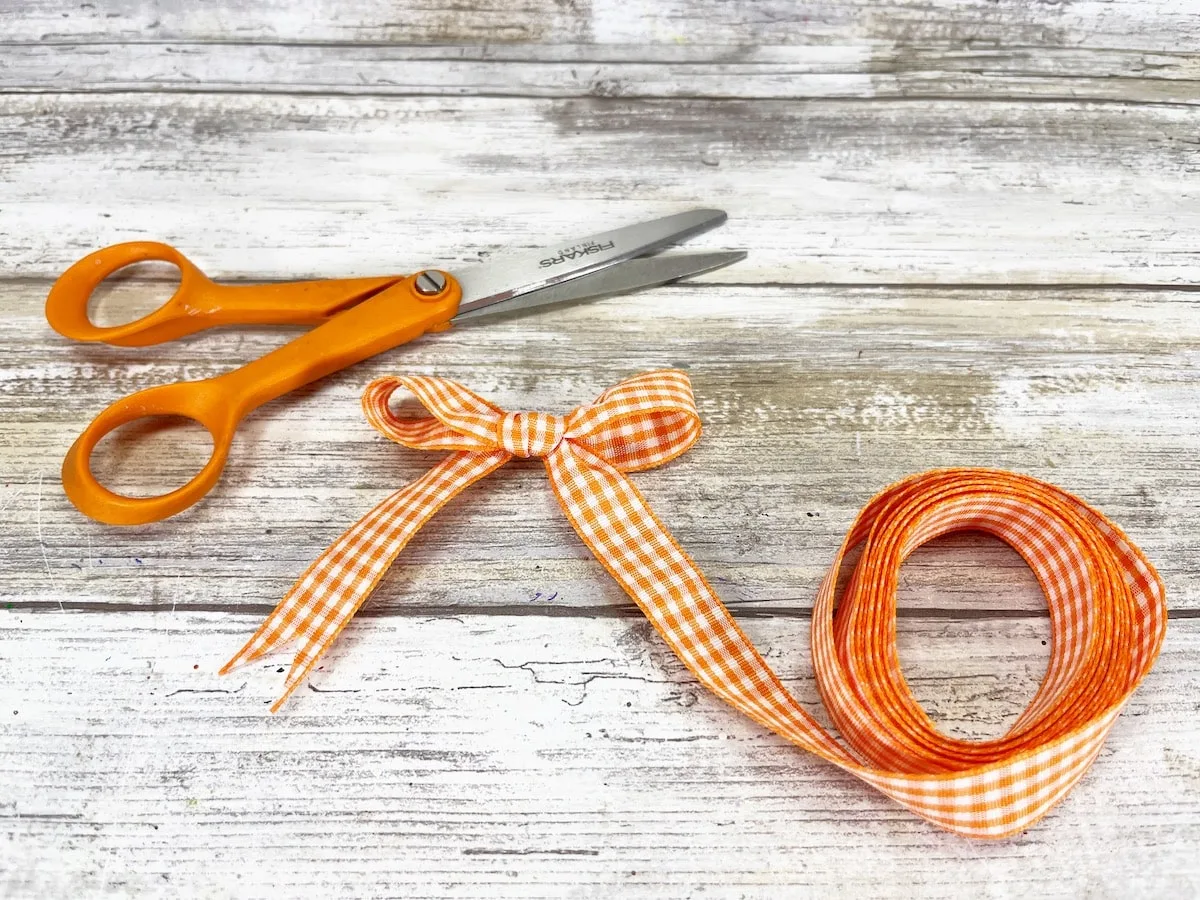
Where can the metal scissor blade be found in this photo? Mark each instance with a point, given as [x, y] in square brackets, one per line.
[630, 275]
[495, 282]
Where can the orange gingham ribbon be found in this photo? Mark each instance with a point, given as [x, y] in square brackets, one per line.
[1107, 604]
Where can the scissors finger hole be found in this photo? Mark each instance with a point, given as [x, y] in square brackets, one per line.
[133, 291]
[151, 456]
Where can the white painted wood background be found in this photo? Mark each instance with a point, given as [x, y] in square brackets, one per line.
[975, 239]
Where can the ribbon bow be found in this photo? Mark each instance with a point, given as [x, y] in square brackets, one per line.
[641, 423]
[1107, 604]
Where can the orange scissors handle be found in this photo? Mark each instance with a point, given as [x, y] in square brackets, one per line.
[392, 317]
[199, 302]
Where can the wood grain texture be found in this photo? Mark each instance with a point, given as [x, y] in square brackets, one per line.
[837, 191]
[1140, 24]
[864, 71]
[812, 400]
[972, 242]
[492, 756]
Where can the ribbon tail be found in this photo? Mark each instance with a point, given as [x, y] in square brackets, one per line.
[618, 526]
[326, 597]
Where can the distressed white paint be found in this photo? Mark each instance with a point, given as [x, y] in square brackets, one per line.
[716, 29]
[531, 757]
[501, 722]
[780, 72]
[841, 191]
[812, 400]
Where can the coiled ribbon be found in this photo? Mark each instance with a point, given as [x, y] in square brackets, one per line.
[1107, 603]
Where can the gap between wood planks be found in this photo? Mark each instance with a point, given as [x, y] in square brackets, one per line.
[326, 92]
[549, 611]
[43, 285]
[866, 71]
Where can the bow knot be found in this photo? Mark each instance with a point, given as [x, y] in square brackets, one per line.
[527, 434]
[638, 424]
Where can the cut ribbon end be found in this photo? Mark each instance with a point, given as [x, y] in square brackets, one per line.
[247, 654]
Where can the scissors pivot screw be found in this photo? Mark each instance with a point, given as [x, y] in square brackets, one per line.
[430, 282]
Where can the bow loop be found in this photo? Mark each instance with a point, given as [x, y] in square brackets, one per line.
[637, 424]
[462, 420]
[640, 423]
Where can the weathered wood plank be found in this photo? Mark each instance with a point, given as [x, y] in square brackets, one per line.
[503, 723]
[485, 756]
[835, 191]
[606, 71]
[813, 400]
[1139, 24]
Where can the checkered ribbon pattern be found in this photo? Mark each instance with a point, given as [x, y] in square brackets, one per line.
[1107, 603]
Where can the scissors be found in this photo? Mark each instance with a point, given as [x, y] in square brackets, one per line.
[355, 318]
